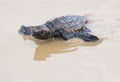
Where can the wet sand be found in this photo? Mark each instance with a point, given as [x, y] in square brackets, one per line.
[47, 48]
[30, 60]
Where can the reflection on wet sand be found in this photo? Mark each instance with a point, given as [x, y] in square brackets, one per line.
[54, 46]
[45, 49]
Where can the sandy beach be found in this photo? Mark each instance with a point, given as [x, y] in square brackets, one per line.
[30, 60]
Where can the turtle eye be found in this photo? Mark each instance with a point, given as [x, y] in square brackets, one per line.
[42, 32]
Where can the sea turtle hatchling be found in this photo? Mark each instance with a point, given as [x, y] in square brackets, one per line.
[66, 27]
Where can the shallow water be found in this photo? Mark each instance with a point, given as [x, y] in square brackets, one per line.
[30, 60]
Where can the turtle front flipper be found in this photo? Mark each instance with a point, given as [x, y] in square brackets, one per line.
[68, 36]
[65, 35]
[87, 36]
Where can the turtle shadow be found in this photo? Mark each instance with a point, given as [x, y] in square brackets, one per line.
[47, 48]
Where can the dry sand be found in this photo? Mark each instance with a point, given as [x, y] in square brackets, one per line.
[30, 60]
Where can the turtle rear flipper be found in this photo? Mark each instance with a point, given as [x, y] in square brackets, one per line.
[85, 29]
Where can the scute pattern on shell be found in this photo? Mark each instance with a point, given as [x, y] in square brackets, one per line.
[69, 23]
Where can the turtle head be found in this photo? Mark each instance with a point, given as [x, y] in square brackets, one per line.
[27, 31]
[40, 32]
